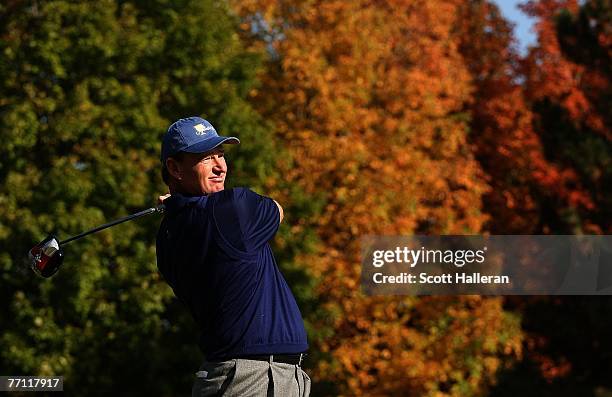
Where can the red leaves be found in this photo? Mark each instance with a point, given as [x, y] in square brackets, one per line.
[409, 117]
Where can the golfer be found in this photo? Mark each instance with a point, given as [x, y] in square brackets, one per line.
[213, 250]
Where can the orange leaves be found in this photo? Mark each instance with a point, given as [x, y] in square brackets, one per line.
[511, 151]
[385, 107]
[568, 89]
[368, 98]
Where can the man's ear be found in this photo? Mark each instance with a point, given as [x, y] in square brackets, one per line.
[174, 168]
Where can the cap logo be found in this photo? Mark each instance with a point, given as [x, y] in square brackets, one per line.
[201, 129]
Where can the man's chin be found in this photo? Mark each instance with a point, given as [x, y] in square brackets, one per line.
[217, 188]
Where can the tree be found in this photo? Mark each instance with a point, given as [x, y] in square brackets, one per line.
[88, 89]
[539, 126]
[369, 99]
[523, 180]
[568, 89]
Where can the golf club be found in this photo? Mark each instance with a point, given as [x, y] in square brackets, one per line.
[47, 256]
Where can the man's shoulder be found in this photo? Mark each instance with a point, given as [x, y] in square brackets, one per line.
[240, 202]
[234, 195]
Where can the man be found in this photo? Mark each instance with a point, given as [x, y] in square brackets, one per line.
[213, 250]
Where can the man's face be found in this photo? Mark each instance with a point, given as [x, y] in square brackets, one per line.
[202, 173]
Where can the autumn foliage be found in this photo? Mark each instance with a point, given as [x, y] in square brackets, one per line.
[370, 99]
[568, 85]
[394, 117]
[507, 145]
[419, 117]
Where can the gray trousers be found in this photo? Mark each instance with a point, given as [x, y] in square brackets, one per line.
[242, 377]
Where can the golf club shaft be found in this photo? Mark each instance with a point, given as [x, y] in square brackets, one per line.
[159, 208]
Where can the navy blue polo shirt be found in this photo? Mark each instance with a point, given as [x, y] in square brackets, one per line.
[214, 252]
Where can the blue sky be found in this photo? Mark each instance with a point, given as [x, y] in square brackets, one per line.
[522, 24]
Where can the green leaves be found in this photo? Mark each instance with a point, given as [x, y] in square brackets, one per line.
[86, 91]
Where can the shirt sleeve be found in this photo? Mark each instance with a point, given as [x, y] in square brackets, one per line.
[246, 219]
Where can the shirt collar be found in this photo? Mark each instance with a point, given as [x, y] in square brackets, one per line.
[178, 201]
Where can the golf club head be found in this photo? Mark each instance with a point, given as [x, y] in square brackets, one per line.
[46, 257]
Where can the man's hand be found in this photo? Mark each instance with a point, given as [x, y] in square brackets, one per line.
[280, 209]
[160, 199]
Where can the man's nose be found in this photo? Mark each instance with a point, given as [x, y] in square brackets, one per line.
[218, 164]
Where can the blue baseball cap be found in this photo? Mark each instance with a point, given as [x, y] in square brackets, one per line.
[192, 135]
